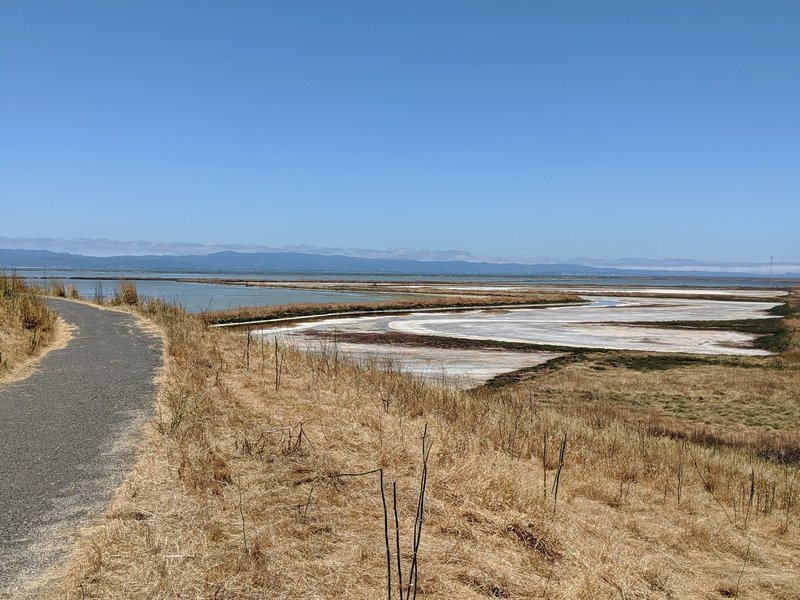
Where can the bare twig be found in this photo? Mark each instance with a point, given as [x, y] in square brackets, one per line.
[680, 472]
[337, 475]
[241, 513]
[544, 466]
[744, 564]
[397, 540]
[386, 540]
[414, 573]
[247, 349]
[752, 495]
[557, 478]
[277, 365]
[308, 501]
[709, 490]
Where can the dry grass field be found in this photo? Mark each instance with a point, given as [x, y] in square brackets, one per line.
[260, 477]
[27, 325]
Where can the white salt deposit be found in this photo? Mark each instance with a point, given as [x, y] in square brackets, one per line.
[604, 322]
[463, 368]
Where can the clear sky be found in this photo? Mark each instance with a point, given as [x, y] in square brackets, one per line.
[560, 129]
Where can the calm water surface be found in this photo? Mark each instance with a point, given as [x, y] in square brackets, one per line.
[196, 297]
[210, 296]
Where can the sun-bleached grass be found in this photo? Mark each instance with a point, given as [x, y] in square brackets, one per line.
[27, 325]
[56, 288]
[126, 293]
[239, 491]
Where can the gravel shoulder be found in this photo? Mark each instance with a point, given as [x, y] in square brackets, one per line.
[67, 436]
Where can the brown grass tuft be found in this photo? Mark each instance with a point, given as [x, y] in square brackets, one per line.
[27, 325]
[126, 293]
[57, 288]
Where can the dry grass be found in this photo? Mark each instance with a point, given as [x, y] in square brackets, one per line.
[126, 293]
[27, 325]
[57, 288]
[238, 492]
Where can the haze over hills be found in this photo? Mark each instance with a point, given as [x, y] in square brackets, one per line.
[279, 261]
[107, 247]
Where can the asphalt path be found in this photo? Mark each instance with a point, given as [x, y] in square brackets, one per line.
[67, 433]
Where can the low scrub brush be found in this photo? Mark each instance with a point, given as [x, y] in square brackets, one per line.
[57, 288]
[127, 293]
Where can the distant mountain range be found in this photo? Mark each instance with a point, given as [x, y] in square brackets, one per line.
[307, 263]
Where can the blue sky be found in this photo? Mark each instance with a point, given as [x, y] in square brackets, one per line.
[559, 129]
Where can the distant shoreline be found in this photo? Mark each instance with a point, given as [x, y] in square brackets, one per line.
[247, 278]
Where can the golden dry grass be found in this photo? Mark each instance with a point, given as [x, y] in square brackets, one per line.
[27, 325]
[57, 288]
[126, 293]
[237, 492]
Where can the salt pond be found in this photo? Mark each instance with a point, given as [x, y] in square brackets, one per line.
[604, 322]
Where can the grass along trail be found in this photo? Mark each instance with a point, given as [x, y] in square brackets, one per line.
[28, 328]
[260, 477]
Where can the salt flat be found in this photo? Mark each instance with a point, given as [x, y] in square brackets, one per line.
[681, 291]
[601, 290]
[612, 322]
[589, 335]
[461, 368]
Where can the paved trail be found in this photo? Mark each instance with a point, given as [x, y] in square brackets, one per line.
[66, 433]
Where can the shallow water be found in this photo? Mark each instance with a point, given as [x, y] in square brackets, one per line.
[196, 297]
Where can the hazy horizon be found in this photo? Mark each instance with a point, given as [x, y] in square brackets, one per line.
[106, 247]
